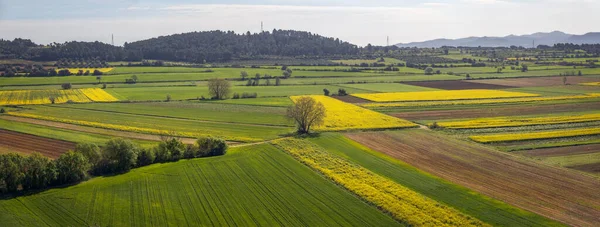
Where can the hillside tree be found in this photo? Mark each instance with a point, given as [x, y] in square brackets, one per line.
[306, 113]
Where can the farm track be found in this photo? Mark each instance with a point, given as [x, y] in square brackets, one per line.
[566, 196]
[455, 85]
[535, 81]
[561, 151]
[108, 132]
[26, 143]
[497, 111]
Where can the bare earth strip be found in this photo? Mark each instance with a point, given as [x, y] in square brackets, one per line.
[590, 168]
[535, 82]
[108, 132]
[26, 143]
[562, 151]
[555, 193]
[497, 111]
[455, 85]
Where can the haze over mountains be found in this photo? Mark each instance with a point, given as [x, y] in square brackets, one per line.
[540, 38]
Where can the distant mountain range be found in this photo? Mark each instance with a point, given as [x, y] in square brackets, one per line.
[540, 38]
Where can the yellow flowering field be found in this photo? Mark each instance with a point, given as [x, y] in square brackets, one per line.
[536, 135]
[31, 97]
[98, 95]
[495, 122]
[480, 101]
[442, 95]
[345, 116]
[591, 84]
[127, 128]
[402, 203]
[76, 70]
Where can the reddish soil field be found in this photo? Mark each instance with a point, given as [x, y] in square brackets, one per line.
[536, 81]
[562, 151]
[497, 111]
[26, 143]
[455, 85]
[590, 168]
[556, 193]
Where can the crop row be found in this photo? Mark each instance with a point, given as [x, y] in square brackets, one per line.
[509, 137]
[128, 128]
[441, 95]
[345, 116]
[496, 122]
[402, 203]
[481, 101]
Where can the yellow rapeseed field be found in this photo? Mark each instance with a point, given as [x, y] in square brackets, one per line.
[495, 122]
[402, 203]
[480, 101]
[98, 95]
[31, 97]
[345, 116]
[442, 95]
[591, 84]
[76, 70]
[127, 128]
[536, 135]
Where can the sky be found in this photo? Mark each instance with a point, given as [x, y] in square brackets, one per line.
[356, 21]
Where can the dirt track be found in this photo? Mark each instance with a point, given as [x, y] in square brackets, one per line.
[497, 111]
[455, 85]
[26, 143]
[555, 193]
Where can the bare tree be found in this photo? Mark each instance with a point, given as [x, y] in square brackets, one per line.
[219, 88]
[306, 112]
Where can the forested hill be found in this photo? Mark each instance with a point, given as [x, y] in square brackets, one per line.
[215, 46]
[199, 47]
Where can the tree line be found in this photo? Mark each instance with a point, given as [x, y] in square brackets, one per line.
[35, 172]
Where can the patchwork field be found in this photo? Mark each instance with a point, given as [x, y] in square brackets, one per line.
[562, 195]
[262, 183]
[442, 95]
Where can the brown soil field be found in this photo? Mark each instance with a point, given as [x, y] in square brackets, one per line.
[562, 151]
[456, 85]
[351, 99]
[553, 192]
[590, 168]
[26, 143]
[535, 81]
[108, 132]
[497, 111]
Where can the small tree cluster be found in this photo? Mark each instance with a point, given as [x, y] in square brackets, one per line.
[66, 86]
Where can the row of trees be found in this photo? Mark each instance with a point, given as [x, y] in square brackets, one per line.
[40, 71]
[116, 156]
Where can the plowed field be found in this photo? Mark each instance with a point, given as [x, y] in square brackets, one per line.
[25, 143]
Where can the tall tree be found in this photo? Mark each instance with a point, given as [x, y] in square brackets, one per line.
[219, 88]
[306, 112]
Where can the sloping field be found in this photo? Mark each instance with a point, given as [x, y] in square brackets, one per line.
[27, 97]
[442, 95]
[551, 192]
[495, 122]
[250, 186]
[26, 143]
[345, 116]
[497, 111]
[455, 85]
[537, 81]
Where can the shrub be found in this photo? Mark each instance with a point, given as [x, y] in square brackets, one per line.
[249, 95]
[209, 146]
[236, 96]
[91, 152]
[120, 155]
[39, 172]
[342, 92]
[190, 151]
[145, 157]
[71, 167]
[66, 86]
[168, 99]
[170, 149]
[434, 125]
[325, 92]
[2, 110]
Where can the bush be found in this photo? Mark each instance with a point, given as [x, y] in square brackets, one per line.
[209, 146]
[190, 151]
[120, 155]
[39, 172]
[91, 152]
[71, 167]
[145, 157]
[168, 99]
[2, 110]
[169, 149]
[249, 95]
[342, 92]
[325, 92]
[236, 96]
[66, 86]
[11, 171]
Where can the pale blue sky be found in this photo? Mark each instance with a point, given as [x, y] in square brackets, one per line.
[359, 22]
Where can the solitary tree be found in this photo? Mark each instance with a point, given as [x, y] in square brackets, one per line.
[52, 99]
[306, 112]
[564, 80]
[428, 71]
[219, 88]
[134, 78]
[243, 75]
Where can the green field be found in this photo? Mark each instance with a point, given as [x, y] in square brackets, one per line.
[484, 208]
[252, 185]
[276, 101]
[228, 131]
[206, 111]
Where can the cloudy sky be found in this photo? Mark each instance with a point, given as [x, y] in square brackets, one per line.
[356, 21]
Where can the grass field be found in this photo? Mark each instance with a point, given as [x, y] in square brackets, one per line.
[252, 185]
[441, 95]
[276, 101]
[155, 124]
[488, 210]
